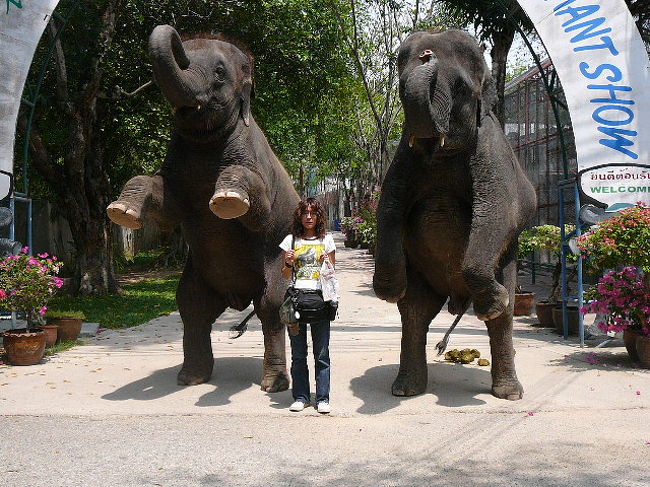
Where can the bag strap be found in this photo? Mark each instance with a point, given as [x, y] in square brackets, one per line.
[293, 269]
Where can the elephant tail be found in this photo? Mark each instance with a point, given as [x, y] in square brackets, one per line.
[441, 346]
[240, 329]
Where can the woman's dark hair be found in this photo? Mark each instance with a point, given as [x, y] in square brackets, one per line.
[317, 209]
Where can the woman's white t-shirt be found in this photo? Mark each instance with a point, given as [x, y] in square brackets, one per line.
[308, 258]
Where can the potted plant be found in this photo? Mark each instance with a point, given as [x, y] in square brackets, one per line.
[67, 322]
[348, 227]
[367, 227]
[26, 285]
[523, 299]
[619, 247]
[549, 238]
[621, 300]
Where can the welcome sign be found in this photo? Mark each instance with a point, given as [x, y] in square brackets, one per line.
[602, 63]
[21, 25]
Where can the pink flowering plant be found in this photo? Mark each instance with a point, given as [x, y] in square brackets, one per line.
[367, 216]
[622, 300]
[620, 240]
[28, 282]
[349, 225]
[363, 224]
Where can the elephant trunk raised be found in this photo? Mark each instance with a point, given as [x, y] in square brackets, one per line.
[218, 161]
[179, 84]
[426, 103]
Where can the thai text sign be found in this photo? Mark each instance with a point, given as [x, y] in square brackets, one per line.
[21, 25]
[602, 63]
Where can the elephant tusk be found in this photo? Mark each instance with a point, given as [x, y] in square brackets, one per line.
[411, 140]
[198, 108]
[442, 141]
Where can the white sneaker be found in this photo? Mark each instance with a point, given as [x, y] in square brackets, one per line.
[297, 406]
[323, 407]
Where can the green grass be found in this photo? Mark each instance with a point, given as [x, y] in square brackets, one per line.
[136, 304]
[62, 347]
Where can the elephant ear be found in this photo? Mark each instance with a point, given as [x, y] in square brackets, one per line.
[246, 95]
[488, 98]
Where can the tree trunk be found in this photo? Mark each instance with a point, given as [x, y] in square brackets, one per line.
[81, 183]
[502, 42]
[93, 237]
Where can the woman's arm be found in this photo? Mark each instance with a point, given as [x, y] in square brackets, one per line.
[287, 263]
[331, 257]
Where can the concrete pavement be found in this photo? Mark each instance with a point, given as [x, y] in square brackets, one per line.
[110, 412]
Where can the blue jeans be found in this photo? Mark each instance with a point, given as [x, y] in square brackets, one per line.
[320, 337]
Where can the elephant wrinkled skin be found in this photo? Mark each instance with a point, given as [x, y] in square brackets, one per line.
[232, 197]
[452, 205]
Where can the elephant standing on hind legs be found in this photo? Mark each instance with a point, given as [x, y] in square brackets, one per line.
[452, 205]
[222, 183]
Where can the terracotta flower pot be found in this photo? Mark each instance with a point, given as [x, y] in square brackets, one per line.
[544, 311]
[24, 347]
[573, 317]
[69, 328]
[638, 347]
[523, 303]
[51, 332]
[643, 350]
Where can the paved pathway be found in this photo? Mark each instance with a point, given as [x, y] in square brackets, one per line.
[110, 412]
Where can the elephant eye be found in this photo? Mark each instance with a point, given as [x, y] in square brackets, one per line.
[220, 74]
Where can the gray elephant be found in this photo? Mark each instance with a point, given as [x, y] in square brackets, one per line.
[452, 205]
[232, 197]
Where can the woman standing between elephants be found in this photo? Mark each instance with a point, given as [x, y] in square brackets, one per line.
[305, 249]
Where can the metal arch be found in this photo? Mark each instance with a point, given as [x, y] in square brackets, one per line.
[566, 183]
[549, 84]
[34, 94]
[31, 102]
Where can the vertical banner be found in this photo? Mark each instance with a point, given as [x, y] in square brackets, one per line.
[603, 65]
[21, 25]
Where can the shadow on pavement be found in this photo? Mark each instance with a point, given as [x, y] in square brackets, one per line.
[596, 359]
[230, 376]
[455, 463]
[454, 385]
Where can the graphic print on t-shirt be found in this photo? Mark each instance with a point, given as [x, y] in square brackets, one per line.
[308, 259]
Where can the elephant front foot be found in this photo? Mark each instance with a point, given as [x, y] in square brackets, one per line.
[275, 381]
[390, 286]
[512, 391]
[191, 376]
[491, 304]
[410, 383]
[229, 204]
[123, 215]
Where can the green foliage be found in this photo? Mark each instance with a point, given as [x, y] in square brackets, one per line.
[300, 74]
[490, 18]
[548, 238]
[623, 240]
[301, 80]
[542, 237]
[138, 303]
[140, 262]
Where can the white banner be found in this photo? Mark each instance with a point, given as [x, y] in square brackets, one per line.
[602, 63]
[21, 25]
